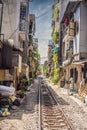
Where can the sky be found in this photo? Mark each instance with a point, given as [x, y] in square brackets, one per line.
[43, 13]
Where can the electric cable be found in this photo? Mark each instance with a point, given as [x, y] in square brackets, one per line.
[14, 32]
[45, 13]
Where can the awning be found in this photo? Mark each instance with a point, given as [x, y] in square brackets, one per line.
[17, 49]
[70, 61]
[8, 42]
[25, 65]
[80, 62]
[68, 7]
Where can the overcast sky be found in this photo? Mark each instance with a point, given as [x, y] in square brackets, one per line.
[43, 13]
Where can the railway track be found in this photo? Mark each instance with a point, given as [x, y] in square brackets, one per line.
[51, 116]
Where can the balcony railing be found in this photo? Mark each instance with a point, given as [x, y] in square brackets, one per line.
[69, 30]
[65, 32]
[67, 6]
[69, 54]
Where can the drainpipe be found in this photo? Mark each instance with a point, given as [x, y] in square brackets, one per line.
[1, 18]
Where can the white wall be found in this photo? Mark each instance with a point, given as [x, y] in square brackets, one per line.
[77, 37]
[10, 24]
[18, 20]
[83, 28]
[11, 15]
[64, 4]
[9, 19]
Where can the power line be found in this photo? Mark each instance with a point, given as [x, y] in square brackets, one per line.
[14, 32]
[45, 13]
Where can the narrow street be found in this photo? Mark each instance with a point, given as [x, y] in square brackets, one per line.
[43, 64]
[26, 116]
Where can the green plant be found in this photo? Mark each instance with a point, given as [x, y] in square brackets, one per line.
[23, 92]
[56, 71]
[55, 81]
[24, 81]
[55, 58]
[55, 37]
[36, 55]
[56, 13]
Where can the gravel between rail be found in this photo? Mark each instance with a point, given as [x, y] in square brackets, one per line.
[73, 108]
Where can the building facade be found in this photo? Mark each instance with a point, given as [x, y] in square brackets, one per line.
[73, 41]
[15, 29]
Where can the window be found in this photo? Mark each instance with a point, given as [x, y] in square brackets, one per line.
[23, 10]
[71, 73]
[23, 15]
[76, 27]
[30, 26]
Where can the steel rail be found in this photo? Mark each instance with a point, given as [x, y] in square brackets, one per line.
[39, 120]
[66, 120]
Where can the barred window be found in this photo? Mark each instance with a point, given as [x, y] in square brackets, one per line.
[23, 14]
[23, 10]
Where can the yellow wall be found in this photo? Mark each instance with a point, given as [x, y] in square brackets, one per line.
[2, 75]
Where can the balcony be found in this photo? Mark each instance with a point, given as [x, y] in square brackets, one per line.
[31, 24]
[22, 37]
[69, 32]
[68, 57]
[68, 6]
[31, 29]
